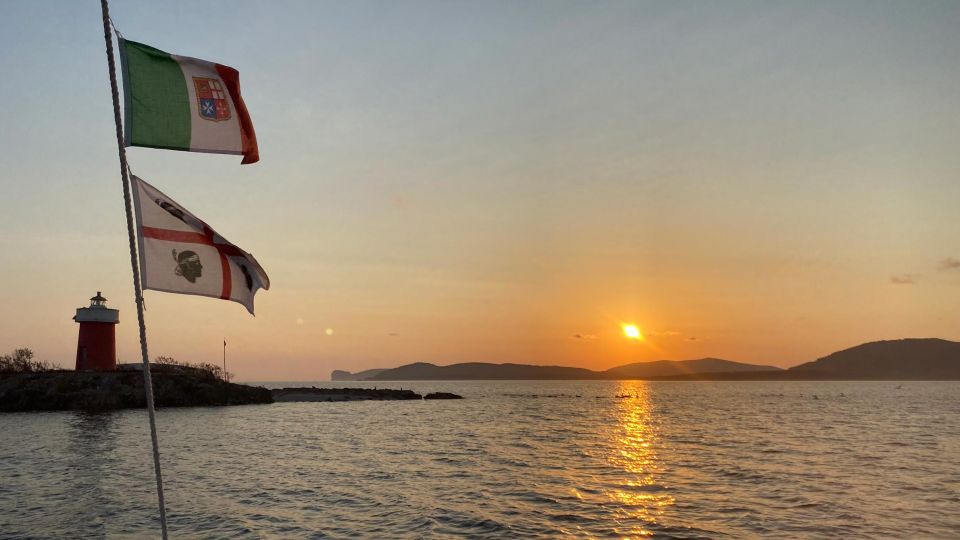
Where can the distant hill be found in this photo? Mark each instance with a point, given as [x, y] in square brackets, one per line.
[422, 371]
[924, 359]
[340, 375]
[668, 368]
[916, 359]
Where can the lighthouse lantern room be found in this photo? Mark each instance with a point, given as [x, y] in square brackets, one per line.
[96, 344]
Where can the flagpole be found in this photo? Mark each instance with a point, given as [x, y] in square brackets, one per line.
[137, 290]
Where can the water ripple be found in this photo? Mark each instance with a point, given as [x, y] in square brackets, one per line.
[513, 460]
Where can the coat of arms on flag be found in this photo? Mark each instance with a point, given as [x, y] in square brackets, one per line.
[183, 103]
[212, 101]
[180, 253]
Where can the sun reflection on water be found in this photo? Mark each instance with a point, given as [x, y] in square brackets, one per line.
[640, 494]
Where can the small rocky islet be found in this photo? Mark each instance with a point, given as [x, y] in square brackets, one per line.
[313, 393]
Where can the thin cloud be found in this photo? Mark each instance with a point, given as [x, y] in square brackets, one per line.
[903, 279]
[950, 264]
[670, 333]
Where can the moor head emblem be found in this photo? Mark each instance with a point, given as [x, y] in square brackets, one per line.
[173, 210]
[188, 265]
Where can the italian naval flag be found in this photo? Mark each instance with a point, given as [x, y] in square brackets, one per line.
[183, 103]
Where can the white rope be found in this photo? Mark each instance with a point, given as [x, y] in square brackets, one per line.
[137, 290]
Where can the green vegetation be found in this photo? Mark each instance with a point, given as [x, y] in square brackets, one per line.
[21, 361]
[214, 371]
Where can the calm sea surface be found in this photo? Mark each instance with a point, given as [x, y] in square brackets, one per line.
[513, 460]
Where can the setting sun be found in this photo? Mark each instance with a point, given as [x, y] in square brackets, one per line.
[632, 332]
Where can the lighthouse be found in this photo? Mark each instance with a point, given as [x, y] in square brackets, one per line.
[97, 344]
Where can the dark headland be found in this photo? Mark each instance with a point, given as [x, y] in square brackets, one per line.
[173, 386]
[903, 359]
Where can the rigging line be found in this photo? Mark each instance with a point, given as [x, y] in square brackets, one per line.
[114, 26]
[143, 300]
[137, 289]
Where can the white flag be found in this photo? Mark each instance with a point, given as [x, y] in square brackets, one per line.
[180, 253]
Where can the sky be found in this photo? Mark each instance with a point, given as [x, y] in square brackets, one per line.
[765, 182]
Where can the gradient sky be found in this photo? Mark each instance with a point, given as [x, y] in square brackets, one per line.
[505, 181]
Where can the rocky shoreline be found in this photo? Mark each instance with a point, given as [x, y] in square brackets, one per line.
[173, 386]
[177, 386]
[313, 393]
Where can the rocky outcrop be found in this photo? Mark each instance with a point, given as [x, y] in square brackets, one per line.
[442, 395]
[313, 393]
[177, 386]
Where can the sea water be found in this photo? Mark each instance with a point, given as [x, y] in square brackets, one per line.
[514, 459]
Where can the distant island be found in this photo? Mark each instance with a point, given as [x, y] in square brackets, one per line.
[903, 359]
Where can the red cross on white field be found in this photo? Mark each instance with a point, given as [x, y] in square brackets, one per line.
[206, 239]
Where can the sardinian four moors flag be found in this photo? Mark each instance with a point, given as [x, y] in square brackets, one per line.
[182, 103]
[180, 253]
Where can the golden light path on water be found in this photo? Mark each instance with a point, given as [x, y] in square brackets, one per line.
[513, 459]
[637, 451]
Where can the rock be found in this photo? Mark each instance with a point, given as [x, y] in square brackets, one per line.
[442, 395]
[177, 386]
[342, 394]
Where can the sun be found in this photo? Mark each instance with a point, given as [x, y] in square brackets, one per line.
[632, 332]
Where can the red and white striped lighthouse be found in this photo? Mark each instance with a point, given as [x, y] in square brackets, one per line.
[97, 343]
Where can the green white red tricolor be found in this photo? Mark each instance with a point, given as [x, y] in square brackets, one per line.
[182, 103]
